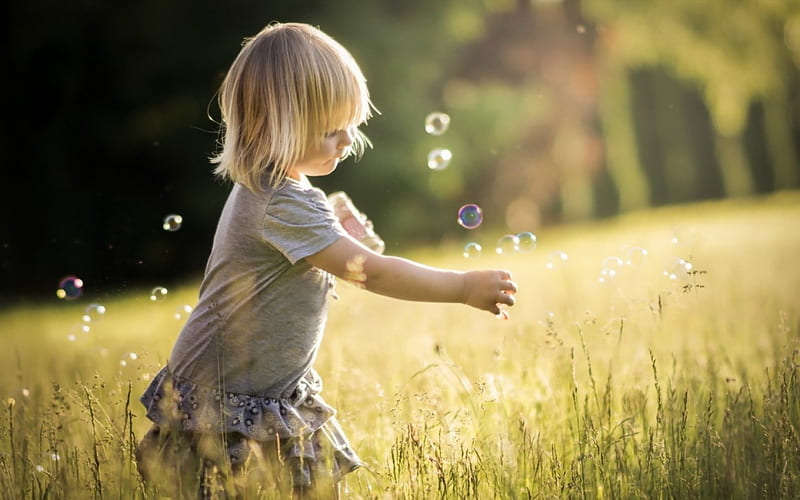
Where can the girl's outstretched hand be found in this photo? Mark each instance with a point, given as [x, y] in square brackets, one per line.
[487, 289]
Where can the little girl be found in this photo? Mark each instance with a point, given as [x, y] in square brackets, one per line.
[239, 390]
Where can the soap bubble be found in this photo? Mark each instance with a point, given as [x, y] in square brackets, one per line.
[472, 250]
[470, 216]
[611, 267]
[77, 330]
[183, 311]
[93, 312]
[436, 123]
[635, 256]
[526, 242]
[172, 222]
[677, 269]
[684, 236]
[158, 293]
[507, 244]
[439, 159]
[70, 288]
[556, 259]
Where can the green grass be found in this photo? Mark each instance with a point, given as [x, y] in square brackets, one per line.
[643, 387]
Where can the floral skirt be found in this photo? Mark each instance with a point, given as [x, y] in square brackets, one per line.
[197, 427]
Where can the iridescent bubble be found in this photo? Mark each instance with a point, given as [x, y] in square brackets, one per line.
[635, 256]
[526, 242]
[556, 259]
[70, 288]
[172, 222]
[507, 244]
[436, 123]
[183, 311]
[93, 312]
[158, 293]
[470, 216]
[439, 159]
[677, 269]
[472, 250]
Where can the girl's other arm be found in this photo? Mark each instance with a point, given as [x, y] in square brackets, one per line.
[405, 279]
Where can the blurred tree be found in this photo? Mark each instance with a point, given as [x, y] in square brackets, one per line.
[735, 52]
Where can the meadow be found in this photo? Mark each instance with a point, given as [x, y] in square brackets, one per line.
[638, 377]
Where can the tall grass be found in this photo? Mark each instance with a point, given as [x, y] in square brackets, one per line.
[637, 387]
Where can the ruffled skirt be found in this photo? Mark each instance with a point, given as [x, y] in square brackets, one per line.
[301, 427]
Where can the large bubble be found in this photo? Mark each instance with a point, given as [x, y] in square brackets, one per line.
[70, 288]
[470, 216]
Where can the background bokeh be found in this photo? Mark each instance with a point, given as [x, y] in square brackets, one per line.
[561, 111]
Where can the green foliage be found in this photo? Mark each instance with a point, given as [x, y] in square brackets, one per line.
[639, 387]
[734, 51]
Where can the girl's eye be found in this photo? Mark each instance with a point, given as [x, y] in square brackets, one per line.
[332, 134]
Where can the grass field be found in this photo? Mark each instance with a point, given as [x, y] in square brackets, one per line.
[641, 386]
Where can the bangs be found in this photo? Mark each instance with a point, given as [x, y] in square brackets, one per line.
[338, 97]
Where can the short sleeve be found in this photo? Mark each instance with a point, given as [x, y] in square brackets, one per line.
[299, 222]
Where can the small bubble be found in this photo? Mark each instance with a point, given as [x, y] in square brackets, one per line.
[556, 259]
[635, 256]
[470, 216]
[133, 355]
[123, 363]
[684, 236]
[527, 242]
[158, 293]
[436, 123]
[611, 268]
[39, 468]
[55, 457]
[26, 393]
[76, 330]
[677, 269]
[507, 244]
[93, 312]
[172, 222]
[70, 288]
[439, 159]
[183, 311]
[472, 250]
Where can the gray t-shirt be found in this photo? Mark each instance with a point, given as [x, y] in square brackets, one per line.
[262, 308]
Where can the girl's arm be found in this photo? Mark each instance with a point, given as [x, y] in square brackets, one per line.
[404, 279]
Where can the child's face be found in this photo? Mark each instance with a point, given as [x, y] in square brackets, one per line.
[323, 160]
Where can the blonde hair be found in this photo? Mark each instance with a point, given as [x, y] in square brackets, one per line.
[289, 85]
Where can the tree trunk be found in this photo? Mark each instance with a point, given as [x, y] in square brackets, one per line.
[736, 176]
[620, 141]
